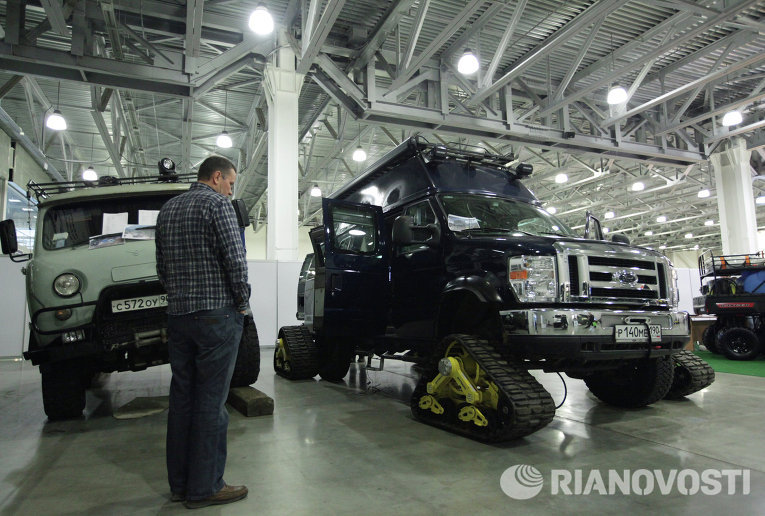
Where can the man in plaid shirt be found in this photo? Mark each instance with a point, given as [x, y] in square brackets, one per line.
[201, 263]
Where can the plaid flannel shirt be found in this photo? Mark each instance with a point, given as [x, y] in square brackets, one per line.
[200, 255]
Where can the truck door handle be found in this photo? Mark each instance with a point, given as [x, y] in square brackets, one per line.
[336, 283]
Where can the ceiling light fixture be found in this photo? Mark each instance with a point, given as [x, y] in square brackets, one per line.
[616, 95]
[709, 223]
[649, 233]
[638, 186]
[315, 191]
[561, 178]
[662, 247]
[606, 230]
[703, 194]
[552, 210]
[261, 22]
[689, 235]
[732, 118]
[661, 218]
[89, 174]
[468, 63]
[224, 140]
[609, 215]
[760, 200]
[359, 154]
[56, 120]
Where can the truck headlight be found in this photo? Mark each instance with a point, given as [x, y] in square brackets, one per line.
[66, 285]
[533, 278]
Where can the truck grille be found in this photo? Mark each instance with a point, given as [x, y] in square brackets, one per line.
[114, 330]
[614, 279]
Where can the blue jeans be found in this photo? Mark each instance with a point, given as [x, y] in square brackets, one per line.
[203, 347]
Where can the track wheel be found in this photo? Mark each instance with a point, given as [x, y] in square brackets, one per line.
[691, 375]
[296, 356]
[467, 387]
[636, 384]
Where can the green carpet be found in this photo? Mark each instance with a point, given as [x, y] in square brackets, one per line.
[722, 365]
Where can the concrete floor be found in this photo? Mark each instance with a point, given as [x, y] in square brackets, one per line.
[353, 448]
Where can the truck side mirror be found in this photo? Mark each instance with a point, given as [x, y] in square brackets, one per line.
[8, 237]
[405, 232]
[592, 229]
[401, 234]
[621, 239]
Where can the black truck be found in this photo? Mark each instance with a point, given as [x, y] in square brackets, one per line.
[733, 290]
[439, 255]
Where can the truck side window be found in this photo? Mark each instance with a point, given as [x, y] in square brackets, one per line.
[422, 214]
[354, 230]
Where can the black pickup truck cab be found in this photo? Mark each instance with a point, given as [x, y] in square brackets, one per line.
[440, 255]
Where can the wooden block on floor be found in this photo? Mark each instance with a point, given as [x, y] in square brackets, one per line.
[250, 401]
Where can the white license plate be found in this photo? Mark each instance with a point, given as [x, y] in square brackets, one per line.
[139, 303]
[636, 332]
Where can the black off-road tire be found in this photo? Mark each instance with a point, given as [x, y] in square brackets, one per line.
[63, 391]
[739, 343]
[335, 360]
[247, 367]
[302, 353]
[709, 338]
[636, 384]
[691, 375]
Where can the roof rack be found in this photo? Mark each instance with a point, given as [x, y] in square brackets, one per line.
[470, 153]
[43, 190]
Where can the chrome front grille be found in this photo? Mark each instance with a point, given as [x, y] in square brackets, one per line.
[594, 278]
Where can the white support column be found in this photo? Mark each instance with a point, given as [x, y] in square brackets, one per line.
[735, 198]
[282, 86]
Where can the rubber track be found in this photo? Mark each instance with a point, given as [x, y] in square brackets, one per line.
[532, 405]
[696, 375]
[303, 353]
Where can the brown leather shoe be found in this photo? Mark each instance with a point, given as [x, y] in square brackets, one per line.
[227, 494]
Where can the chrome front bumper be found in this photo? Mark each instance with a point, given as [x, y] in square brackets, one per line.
[590, 323]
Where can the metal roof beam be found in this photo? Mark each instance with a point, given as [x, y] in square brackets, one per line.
[419, 20]
[656, 52]
[397, 10]
[9, 85]
[55, 13]
[61, 65]
[222, 113]
[503, 42]
[488, 15]
[319, 34]
[685, 88]
[578, 60]
[194, 10]
[587, 17]
[447, 32]
[98, 118]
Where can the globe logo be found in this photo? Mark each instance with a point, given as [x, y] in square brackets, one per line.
[521, 482]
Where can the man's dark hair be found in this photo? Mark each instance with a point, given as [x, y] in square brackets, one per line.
[213, 163]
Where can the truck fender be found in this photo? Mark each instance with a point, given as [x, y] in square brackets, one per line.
[467, 304]
[477, 285]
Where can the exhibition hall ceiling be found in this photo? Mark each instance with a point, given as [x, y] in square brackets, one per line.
[138, 80]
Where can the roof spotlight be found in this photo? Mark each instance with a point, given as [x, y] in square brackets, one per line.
[167, 169]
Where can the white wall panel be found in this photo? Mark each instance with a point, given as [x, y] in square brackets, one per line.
[12, 308]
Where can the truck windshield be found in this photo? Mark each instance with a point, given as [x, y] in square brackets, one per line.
[468, 214]
[73, 224]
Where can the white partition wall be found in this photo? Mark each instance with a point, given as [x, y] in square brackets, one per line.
[12, 308]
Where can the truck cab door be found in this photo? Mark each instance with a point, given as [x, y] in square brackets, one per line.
[356, 263]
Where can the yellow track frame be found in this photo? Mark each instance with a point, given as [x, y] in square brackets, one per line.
[465, 383]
